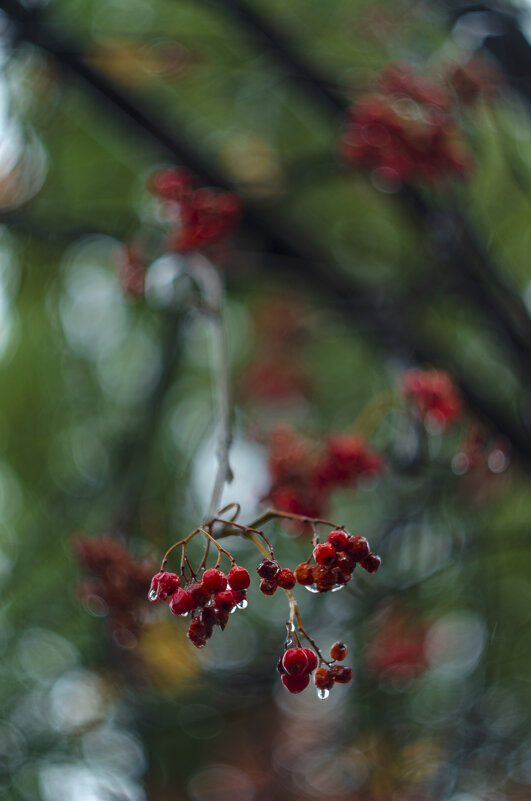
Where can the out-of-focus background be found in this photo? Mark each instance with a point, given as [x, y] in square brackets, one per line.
[340, 277]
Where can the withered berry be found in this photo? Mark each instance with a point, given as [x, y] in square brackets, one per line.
[341, 674]
[338, 651]
[357, 548]
[222, 617]
[323, 679]
[295, 661]
[214, 580]
[200, 595]
[286, 579]
[324, 554]
[268, 568]
[181, 602]
[198, 632]
[268, 586]
[304, 574]
[338, 539]
[295, 684]
[239, 578]
[371, 563]
[163, 585]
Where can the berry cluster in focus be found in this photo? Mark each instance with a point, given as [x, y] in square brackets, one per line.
[298, 664]
[335, 561]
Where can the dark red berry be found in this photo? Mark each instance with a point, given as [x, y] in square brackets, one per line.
[341, 674]
[208, 616]
[268, 587]
[163, 585]
[295, 684]
[325, 554]
[238, 596]
[312, 660]
[286, 579]
[338, 651]
[268, 569]
[304, 574]
[214, 580]
[338, 539]
[181, 602]
[295, 661]
[357, 548]
[323, 679]
[222, 618]
[324, 578]
[198, 633]
[371, 563]
[200, 595]
[224, 601]
[239, 578]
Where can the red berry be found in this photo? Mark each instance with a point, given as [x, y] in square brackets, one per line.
[286, 579]
[312, 660]
[200, 595]
[295, 661]
[341, 674]
[324, 554]
[181, 602]
[208, 616]
[239, 578]
[323, 679]
[224, 601]
[324, 578]
[295, 684]
[268, 587]
[198, 633]
[222, 617]
[371, 563]
[214, 580]
[268, 569]
[238, 596]
[357, 548]
[338, 651]
[163, 585]
[304, 574]
[338, 539]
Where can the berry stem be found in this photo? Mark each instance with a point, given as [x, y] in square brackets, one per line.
[176, 545]
[295, 614]
[219, 547]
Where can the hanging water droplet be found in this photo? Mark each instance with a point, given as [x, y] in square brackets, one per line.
[289, 642]
[153, 595]
[183, 614]
[234, 608]
[322, 694]
[311, 588]
[243, 604]
[337, 587]
[292, 626]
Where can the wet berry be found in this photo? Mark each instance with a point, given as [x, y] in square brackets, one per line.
[181, 602]
[304, 574]
[214, 580]
[198, 633]
[338, 539]
[323, 679]
[224, 601]
[200, 595]
[163, 585]
[312, 660]
[324, 554]
[238, 596]
[268, 568]
[357, 548]
[371, 563]
[324, 578]
[295, 684]
[268, 587]
[222, 617]
[208, 616]
[338, 651]
[239, 578]
[295, 661]
[341, 674]
[286, 579]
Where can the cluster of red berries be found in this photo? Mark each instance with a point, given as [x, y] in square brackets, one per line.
[435, 397]
[203, 215]
[210, 600]
[335, 561]
[303, 474]
[273, 576]
[297, 665]
[118, 582]
[405, 131]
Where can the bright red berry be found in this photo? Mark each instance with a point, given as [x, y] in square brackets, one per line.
[268, 587]
[163, 585]
[224, 601]
[324, 554]
[304, 574]
[268, 569]
[341, 674]
[312, 660]
[295, 684]
[286, 579]
[200, 595]
[295, 661]
[239, 578]
[338, 539]
[323, 679]
[181, 602]
[214, 580]
[371, 563]
[338, 651]
[357, 548]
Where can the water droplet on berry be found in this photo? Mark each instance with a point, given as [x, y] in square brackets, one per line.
[322, 694]
[337, 587]
[289, 642]
[292, 626]
[153, 595]
[183, 614]
[234, 608]
[311, 588]
[243, 604]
